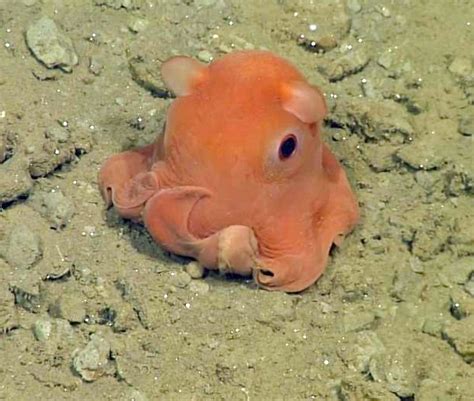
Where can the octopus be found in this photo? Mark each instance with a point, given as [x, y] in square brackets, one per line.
[240, 179]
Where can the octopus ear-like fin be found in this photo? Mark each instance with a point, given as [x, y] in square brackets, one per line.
[181, 74]
[304, 101]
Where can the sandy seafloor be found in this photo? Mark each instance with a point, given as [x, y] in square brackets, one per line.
[90, 308]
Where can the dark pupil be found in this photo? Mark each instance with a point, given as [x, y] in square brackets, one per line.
[287, 147]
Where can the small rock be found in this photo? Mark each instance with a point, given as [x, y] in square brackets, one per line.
[460, 270]
[57, 134]
[424, 154]
[51, 46]
[385, 60]
[348, 64]
[459, 336]
[198, 287]
[396, 370]
[68, 306]
[373, 119]
[42, 329]
[461, 67]
[466, 124]
[137, 25]
[96, 65]
[54, 207]
[147, 74]
[118, 4]
[15, 180]
[354, 6]
[52, 330]
[93, 361]
[433, 327]
[179, 279]
[195, 270]
[22, 247]
[357, 354]
[205, 56]
[355, 320]
[29, 301]
[355, 388]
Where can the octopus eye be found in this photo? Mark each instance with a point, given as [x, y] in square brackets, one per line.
[287, 147]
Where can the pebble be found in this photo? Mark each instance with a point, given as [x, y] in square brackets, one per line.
[54, 207]
[466, 124]
[357, 353]
[58, 134]
[15, 179]
[424, 154]
[118, 4]
[396, 370]
[459, 335]
[356, 388]
[22, 247]
[195, 270]
[92, 362]
[53, 330]
[147, 74]
[50, 45]
[42, 329]
[461, 67]
[68, 306]
[348, 64]
[205, 56]
[373, 119]
[198, 287]
[96, 66]
[179, 279]
[358, 320]
[137, 25]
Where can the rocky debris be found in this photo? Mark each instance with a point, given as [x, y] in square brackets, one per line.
[15, 179]
[356, 353]
[137, 25]
[8, 313]
[356, 388]
[93, 361]
[461, 238]
[96, 65]
[459, 179]
[457, 388]
[461, 67]
[459, 271]
[466, 124]
[459, 335]
[396, 371]
[324, 29]
[427, 153]
[20, 246]
[198, 287]
[46, 329]
[60, 146]
[374, 120]
[29, 301]
[54, 207]
[147, 74]
[461, 304]
[195, 270]
[179, 279]
[348, 64]
[358, 320]
[118, 4]
[50, 45]
[69, 306]
[379, 159]
[7, 145]
[283, 310]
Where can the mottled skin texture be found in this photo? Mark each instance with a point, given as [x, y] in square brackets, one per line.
[216, 185]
